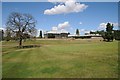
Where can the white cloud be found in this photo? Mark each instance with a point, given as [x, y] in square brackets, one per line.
[60, 0]
[63, 31]
[68, 7]
[80, 23]
[82, 30]
[115, 24]
[2, 28]
[103, 25]
[86, 31]
[63, 25]
[54, 28]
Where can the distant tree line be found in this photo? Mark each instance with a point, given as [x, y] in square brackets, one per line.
[1, 35]
[109, 34]
[117, 34]
[9, 35]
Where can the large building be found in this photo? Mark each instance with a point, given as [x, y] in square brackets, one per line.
[56, 34]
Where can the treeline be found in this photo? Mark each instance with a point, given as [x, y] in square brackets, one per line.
[7, 35]
[115, 34]
[109, 34]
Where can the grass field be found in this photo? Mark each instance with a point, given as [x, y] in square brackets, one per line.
[61, 59]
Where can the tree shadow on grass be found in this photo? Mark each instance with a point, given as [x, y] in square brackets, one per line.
[28, 46]
[19, 48]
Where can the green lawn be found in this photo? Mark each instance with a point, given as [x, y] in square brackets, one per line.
[61, 59]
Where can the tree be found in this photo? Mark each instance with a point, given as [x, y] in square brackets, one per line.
[20, 24]
[40, 34]
[8, 35]
[102, 33]
[117, 34]
[77, 31]
[109, 32]
[2, 35]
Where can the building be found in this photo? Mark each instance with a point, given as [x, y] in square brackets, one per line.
[56, 34]
[80, 37]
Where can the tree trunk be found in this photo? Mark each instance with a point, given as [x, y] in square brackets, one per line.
[20, 43]
[108, 40]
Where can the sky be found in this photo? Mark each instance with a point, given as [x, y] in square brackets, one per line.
[66, 16]
[59, 0]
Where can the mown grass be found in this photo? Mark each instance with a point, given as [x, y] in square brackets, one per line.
[61, 59]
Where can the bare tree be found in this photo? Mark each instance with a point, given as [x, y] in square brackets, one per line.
[21, 24]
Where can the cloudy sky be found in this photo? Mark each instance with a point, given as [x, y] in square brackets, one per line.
[66, 15]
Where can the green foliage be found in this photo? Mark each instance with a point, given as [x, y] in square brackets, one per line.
[77, 32]
[109, 27]
[117, 34]
[97, 32]
[40, 34]
[109, 32]
[1, 35]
